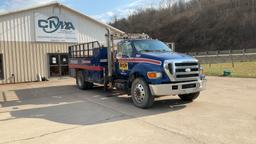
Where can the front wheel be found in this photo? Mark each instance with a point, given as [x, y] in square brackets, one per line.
[141, 95]
[189, 97]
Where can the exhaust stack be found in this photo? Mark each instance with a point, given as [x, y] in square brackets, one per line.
[110, 63]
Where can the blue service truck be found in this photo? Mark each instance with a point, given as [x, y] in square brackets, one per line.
[144, 68]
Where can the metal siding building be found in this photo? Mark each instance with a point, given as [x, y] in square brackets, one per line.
[25, 49]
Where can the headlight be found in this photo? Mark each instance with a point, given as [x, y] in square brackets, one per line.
[154, 75]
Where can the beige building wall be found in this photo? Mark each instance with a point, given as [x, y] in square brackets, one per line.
[27, 59]
[23, 56]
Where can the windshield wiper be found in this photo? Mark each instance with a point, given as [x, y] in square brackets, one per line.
[165, 51]
[146, 51]
[154, 51]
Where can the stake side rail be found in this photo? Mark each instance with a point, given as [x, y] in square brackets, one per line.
[83, 50]
[90, 59]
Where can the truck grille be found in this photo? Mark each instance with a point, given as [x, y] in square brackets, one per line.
[186, 64]
[186, 71]
[183, 71]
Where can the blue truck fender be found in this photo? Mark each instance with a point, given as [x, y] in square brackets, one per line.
[141, 70]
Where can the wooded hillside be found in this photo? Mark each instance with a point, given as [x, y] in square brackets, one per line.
[198, 25]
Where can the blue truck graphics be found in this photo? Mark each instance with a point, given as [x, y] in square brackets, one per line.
[144, 68]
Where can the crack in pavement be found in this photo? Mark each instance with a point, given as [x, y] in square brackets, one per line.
[42, 135]
[152, 124]
[63, 130]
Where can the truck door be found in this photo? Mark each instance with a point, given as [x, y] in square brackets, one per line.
[124, 55]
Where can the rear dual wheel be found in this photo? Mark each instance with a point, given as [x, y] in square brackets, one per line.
[81, 83]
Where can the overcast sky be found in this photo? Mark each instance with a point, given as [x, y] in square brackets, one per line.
[103, 10]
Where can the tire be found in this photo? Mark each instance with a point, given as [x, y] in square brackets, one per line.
[141, 95]
[81, 83]
[189, 97]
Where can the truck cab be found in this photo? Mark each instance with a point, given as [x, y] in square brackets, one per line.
[144, 68]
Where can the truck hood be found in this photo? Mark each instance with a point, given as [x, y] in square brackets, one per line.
[162, 56]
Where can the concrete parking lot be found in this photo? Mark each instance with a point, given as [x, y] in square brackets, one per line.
[57, 112]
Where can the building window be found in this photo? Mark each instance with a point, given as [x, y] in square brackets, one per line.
[58, 64]
[1, 67]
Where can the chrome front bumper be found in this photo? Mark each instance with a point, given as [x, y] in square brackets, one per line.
[177, 88]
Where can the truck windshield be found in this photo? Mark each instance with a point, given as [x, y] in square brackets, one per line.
[151, 46]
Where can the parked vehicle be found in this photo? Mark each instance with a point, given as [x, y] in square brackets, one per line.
[144, 68]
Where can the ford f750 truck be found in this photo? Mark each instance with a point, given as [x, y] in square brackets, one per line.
[144, 68]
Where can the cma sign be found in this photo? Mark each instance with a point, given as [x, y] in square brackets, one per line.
[53, 24]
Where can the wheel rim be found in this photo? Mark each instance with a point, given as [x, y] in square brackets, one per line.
[139, 93]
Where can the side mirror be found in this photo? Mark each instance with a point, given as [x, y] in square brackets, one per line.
[171, 45]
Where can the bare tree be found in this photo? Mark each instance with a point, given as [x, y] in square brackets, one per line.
[197, 25]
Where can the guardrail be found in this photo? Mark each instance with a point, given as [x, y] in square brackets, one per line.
[213, 57]
[224, 52]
